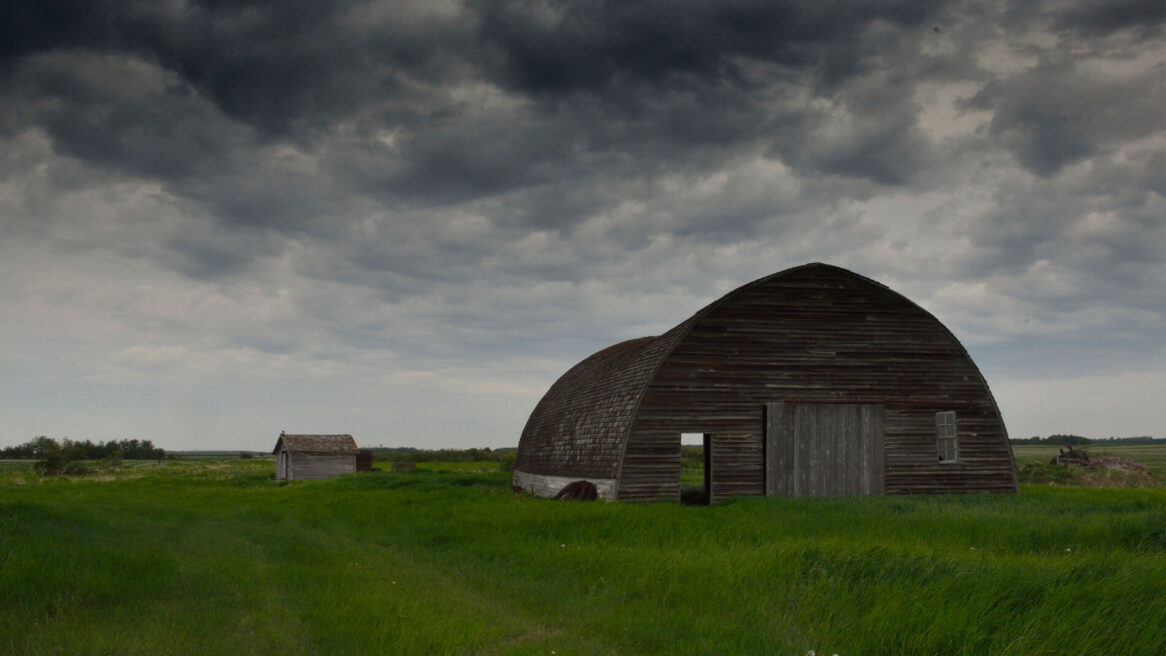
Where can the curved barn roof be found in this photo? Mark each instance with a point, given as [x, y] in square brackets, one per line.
[580, 427]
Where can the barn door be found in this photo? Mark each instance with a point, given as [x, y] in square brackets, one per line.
[823, 449]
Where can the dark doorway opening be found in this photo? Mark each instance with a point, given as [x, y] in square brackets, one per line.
[695, 469]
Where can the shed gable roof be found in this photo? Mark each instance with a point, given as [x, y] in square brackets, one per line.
[316, 443]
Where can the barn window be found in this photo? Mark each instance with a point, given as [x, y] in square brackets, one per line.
[946, 442]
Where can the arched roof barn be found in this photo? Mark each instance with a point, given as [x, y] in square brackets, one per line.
[811, 381]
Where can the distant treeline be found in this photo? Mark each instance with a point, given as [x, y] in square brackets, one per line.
[41, 448]
[411, 454]
[1077, 440]
[1144, 439]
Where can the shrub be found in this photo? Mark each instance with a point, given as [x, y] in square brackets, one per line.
[76, 469]
[54, 456]
[506, 462]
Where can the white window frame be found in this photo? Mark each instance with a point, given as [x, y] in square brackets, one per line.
[947, 441]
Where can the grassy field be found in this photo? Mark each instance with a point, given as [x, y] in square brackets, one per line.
[474, 467]
[10, 466]
[1151, 455]
[1032, 462]
[216, 558]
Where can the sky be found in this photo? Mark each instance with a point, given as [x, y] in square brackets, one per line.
[404, 220]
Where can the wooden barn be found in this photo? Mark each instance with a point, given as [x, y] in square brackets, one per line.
[314, 456]
[811, 381]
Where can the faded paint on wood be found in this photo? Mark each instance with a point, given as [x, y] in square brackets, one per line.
[302, 466]
[824, 449]
[548, 486]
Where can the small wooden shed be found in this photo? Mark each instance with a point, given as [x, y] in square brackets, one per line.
[812, 381]
[314, 456]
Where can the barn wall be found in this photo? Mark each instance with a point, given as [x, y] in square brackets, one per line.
[818, 334]
[320, 465]
[737, 464]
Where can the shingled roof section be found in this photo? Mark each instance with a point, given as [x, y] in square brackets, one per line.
[317, 443]
[580, 426]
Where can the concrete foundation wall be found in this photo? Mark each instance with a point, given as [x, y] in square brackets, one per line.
[548, 486]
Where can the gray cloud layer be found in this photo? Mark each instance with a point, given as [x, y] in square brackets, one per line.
[467, 197]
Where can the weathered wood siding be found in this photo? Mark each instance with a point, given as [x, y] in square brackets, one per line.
[738, 466]
[578, 428]
[824, 449]
[822, 334]
[319, 465]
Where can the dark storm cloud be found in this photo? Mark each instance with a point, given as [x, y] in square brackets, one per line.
[1102, 17]
[118, 113]
[275, 65]
[1056, 114]
[599, 46]
[649, 80]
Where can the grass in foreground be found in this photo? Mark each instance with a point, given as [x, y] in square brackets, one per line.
[217, 558]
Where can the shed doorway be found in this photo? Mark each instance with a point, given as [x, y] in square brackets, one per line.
[823, 449]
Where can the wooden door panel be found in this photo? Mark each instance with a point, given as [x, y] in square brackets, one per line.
[824, 449]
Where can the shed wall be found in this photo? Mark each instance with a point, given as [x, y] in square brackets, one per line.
[817, 334]
[320, 465]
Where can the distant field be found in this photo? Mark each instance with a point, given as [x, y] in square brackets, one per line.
[1032, 464]
[482, 467]
[8, 466]
[214, 557]
[1151, 455]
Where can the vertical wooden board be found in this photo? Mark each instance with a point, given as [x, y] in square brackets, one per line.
[828, 431]
[877, 444]
[779, 449]
[819, 437]
[814, 451]
[864, 453]
[848, 456]
[802, 463]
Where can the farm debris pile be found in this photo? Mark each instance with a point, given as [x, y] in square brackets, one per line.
[1071, 457]
[1080, 457]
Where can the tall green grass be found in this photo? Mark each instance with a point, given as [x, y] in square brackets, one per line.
[222, 560]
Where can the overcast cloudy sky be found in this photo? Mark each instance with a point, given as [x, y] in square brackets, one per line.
[404, 220]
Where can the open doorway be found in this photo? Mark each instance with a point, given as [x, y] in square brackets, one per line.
[695, 469]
